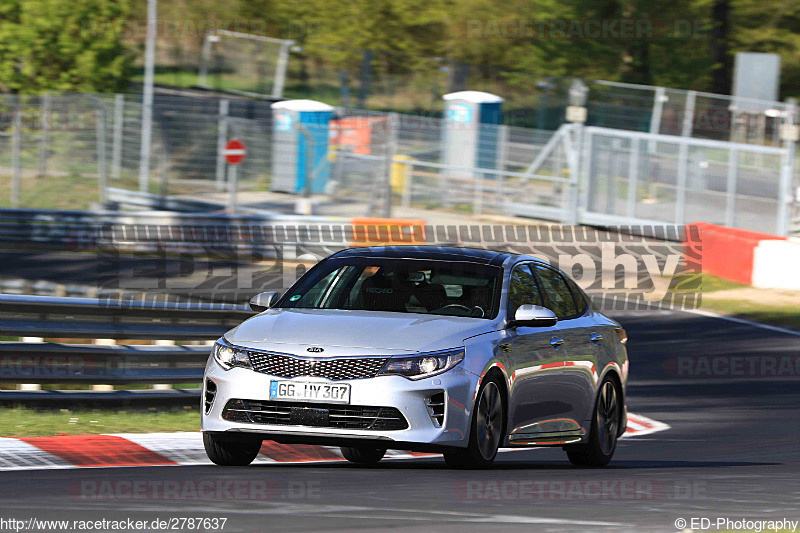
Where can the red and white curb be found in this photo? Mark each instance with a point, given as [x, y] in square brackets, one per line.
[186, 448]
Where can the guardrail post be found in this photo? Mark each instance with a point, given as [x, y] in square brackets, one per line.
[30, 386]
[104, 387]
[164, 386]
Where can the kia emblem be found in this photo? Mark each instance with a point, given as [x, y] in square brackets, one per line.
[315, 349]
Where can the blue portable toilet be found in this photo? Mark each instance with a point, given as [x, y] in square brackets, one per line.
[471, 129]
[290, 148]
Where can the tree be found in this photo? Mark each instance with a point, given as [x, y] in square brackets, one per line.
[56, 45]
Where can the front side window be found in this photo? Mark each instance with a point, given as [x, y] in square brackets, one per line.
[399, 285]
[556, 292]
[522, 289]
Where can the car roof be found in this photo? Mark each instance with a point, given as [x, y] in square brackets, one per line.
[436, 253]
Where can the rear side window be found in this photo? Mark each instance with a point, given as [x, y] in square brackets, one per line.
[580, 300]
[522, 289]
[556, 292]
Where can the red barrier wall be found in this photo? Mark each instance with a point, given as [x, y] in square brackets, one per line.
[728, 252]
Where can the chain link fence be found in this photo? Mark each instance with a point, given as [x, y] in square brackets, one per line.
[389, 81]
[65, 151]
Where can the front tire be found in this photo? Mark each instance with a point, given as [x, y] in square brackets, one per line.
[230, 452]
[363, 456]
[486, 433]
[603, 434]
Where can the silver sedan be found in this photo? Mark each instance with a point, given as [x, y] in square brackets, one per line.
[450, 350]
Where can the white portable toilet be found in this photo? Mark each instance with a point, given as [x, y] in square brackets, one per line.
[290, 147]
[471, 134]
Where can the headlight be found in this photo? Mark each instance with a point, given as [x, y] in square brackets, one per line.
[423, 365]
[229, 356]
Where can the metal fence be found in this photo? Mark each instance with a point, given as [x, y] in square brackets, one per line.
[38, 317]
[384, 80]
[77, 151]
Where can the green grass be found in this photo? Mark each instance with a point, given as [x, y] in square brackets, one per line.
[126, 386]
[25, 422]
[787, 316]
[53, 192]
[707, 283]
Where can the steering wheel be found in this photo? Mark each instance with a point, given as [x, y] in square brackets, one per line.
[464, 307]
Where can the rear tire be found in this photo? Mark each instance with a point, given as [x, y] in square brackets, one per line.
[363, 456]
[603, 434]
[486, 433]
[230, 451]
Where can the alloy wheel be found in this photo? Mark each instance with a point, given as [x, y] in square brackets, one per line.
[489, 421]
[607, 417]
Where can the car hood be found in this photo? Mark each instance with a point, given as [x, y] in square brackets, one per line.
[354, 332]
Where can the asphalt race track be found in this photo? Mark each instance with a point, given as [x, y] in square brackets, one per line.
[732, 452]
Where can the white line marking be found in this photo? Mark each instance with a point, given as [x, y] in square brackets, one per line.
[713, 314]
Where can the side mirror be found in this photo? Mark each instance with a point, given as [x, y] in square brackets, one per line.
[533, 316]
[263, 301]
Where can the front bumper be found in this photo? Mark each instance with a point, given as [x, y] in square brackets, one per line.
[407, 396]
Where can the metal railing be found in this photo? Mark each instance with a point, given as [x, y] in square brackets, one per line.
[44, 317]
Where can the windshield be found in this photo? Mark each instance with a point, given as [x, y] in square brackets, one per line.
[399, 285]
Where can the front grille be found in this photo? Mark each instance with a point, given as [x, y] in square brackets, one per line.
[287, 366]
[315, 415]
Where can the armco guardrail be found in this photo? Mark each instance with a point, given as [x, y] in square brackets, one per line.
[170, 231]
[269, 235]
[143, 200]
[57, 317]
[93, 318]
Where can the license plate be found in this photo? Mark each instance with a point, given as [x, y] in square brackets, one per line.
[308, 391]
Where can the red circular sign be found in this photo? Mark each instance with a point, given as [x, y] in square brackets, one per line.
[234, 151]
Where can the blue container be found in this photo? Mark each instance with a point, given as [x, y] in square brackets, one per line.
[290, 145]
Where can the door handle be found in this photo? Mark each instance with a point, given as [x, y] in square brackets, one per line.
[555, 342]
[595, 338]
